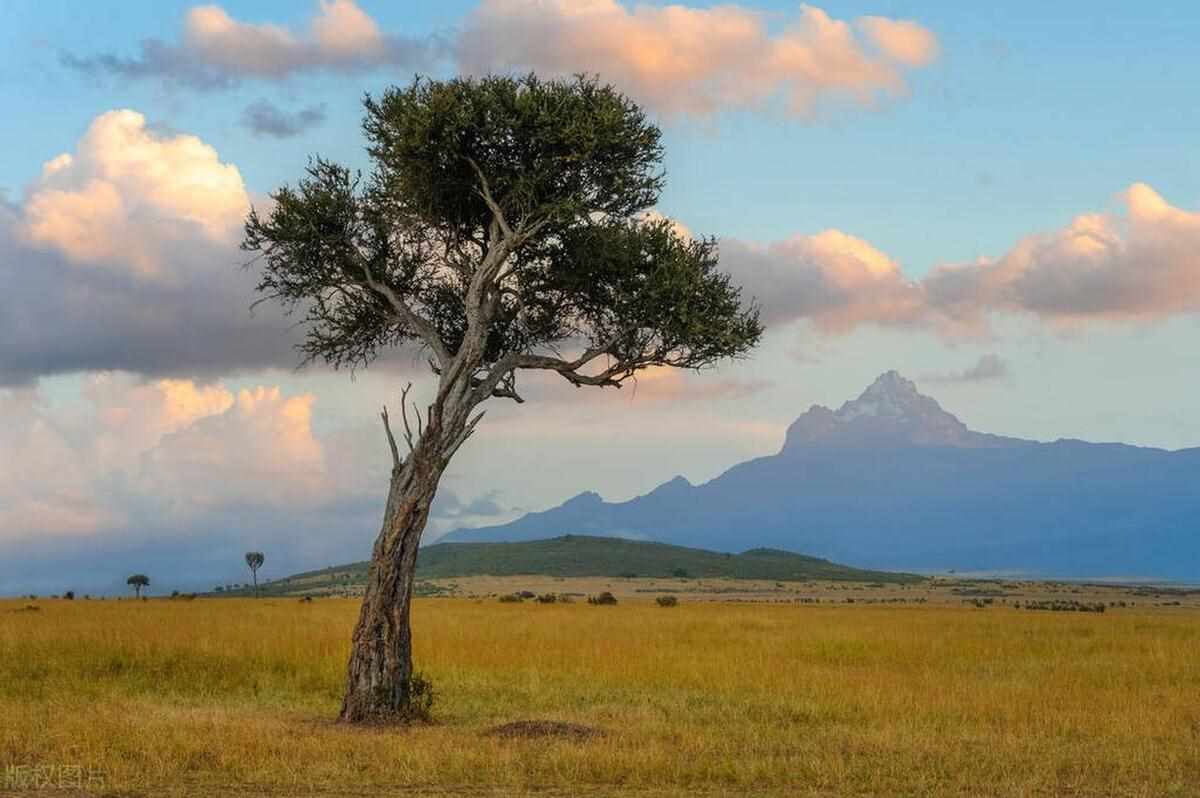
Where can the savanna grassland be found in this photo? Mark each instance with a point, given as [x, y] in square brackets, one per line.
[236, 696]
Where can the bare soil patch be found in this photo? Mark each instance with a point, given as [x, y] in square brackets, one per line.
[545, 729]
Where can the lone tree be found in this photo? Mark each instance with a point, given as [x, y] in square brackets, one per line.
[255, 559]
[504, 228]
[137, 582]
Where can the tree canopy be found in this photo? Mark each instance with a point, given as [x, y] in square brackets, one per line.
[506, 223]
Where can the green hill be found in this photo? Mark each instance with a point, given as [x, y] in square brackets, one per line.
[581, 555]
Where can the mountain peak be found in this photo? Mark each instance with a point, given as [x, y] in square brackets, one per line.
[890, 412]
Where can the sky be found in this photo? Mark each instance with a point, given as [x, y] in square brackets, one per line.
[1002, 202]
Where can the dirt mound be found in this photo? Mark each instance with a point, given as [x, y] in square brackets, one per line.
[545, 729]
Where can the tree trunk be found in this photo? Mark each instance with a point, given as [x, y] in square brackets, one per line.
[254, 573]
[380, 675]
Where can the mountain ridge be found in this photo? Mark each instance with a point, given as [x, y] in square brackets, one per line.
[892, 481]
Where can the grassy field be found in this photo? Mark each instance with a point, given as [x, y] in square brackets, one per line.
[235, 697]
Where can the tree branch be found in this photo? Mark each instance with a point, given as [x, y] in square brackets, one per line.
[408, 435]
[419, 324]
[485, 191]
[396, 461]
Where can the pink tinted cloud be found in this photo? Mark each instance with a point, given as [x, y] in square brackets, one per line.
[689, 60]
[217, 51]
[130, 196]
[1141, 264]
[167, 449]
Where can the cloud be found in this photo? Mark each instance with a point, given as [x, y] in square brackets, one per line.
[684, 60]
[988, 368]
[833, 279]
[133, 451]
[216, 51]
[129, 195]
[1142, 265]
[123, 255]
[266, 119]
[675, 59]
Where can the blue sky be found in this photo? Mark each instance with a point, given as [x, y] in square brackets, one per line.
[1026, 116]
[1034, 112]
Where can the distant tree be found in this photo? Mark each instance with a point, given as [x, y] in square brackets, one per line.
[69, 595]
[220, 588]
[505, 229]
[255, 559]
[680, 572]
[137, 582]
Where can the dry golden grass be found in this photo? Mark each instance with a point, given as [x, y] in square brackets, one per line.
[236, 696]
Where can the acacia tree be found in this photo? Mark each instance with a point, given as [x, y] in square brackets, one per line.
[137, 582]
[255, 560]
[504, 228]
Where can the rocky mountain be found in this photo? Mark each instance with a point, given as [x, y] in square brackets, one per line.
[892, 481]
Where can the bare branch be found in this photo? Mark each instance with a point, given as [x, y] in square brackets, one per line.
[408, 435]
[396, 461]
[461, 438]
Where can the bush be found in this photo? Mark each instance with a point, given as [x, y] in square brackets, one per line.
[547, 598]
[527, 594]
[69, 595]
[667, 601]
[680, 573]
[604, 598]
[511, 598]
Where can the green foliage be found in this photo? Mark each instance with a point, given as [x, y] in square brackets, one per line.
[572, 148]
[547, 598]
[603, 599]
[511, 598]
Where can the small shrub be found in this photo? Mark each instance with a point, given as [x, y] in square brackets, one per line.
[527, 594]
[69, 595]
[420, 699]
[606, 599]
[667, 601]
[547, 598]
[680, 573]
[511, 598]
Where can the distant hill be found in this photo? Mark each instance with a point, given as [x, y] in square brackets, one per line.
[582, 555]
[892, 481]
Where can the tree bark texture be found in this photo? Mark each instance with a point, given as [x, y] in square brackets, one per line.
[379, 681]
